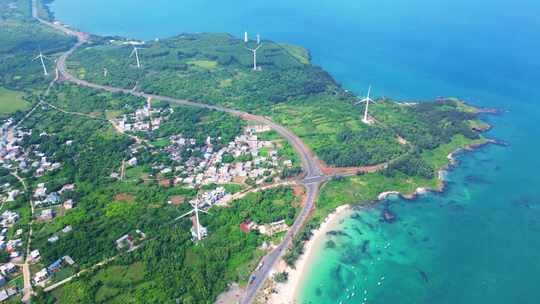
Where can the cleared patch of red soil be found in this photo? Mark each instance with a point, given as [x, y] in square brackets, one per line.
[124, 197]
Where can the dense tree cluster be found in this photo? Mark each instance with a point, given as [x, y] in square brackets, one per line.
[411, 164]
[368, 146]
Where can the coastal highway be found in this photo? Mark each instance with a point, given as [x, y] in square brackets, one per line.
[313, 174]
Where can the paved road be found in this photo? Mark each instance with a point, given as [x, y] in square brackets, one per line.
[312, 169]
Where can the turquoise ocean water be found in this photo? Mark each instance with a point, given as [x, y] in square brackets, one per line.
[478, 242]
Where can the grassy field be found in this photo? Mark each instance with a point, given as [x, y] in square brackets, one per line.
[437, 157]
[365, 189]
[205, 64]
[297, 52]
[11, 101]
[112, 281]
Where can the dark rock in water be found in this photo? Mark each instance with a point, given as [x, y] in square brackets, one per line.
[388, 216]
[337, 273]
[357, 230]
[501, 143]
[357, 217]
[527, 201]
[350, 259]
[426, 239]
[337, 233]
[475, 179]
[497, 168]
[423, 275]
[330, 244]
[365, 246]
[318, 291]
[457, 208]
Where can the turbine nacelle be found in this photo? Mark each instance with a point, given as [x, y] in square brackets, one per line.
[366, 119]
[41, 57]
[135, 52]
[198, 232]
[253, 50]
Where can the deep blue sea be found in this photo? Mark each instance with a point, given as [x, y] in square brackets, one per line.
[479, 242]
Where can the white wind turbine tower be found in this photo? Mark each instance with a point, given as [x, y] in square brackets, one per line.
[136, 52]
[40, 57]
[246, 37]
[367, 100]
[254, 50]
[200, 231]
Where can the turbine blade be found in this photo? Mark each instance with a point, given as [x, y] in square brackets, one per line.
[184, 215]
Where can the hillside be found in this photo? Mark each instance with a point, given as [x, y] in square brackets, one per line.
[215, 69]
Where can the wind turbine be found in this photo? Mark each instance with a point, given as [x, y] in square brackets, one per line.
[366, 100]
[199, 230]
[254, 50]
[246, 37]
[40, 56]
[136, 52]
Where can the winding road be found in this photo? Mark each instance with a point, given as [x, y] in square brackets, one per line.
[313, 172]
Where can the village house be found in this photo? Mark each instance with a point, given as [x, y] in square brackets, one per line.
[7, 293]
[41, 191]
[8, 218]
[34, 255]
[246, 226]
[67, 229]
[53, 239]
[47, 214]
[41, 276]
[126, 239]
[273, 228]
[8, 268]
[69, 204]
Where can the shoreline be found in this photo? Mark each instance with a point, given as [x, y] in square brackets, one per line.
[287, 293]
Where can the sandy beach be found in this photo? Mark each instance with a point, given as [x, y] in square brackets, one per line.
[287, 293]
